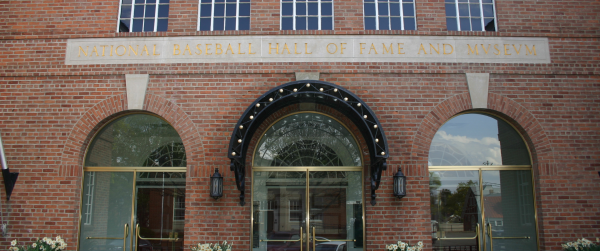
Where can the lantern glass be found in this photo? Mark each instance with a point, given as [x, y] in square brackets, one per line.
[399, 184]
[216, 185]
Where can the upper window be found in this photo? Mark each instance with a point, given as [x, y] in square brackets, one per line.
[306, 14]
[470, 15]
[218, 15]
[143, 15]
[389, 15]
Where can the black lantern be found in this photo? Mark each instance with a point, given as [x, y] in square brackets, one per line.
[216, 185]
[399, 184]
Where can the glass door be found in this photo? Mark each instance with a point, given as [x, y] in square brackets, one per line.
[326, 214]
[114, 219]
[508, 210]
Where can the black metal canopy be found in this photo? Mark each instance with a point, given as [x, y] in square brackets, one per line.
[309, 91]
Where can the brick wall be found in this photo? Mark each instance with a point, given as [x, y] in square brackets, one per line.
[50, 111]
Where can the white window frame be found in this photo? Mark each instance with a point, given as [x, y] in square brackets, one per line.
[293, 16]
[456, 3]
[158, 3]
[89, 201]
[389, 16]
[212, 13]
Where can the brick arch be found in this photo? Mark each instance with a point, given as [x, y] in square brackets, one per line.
[93, 119]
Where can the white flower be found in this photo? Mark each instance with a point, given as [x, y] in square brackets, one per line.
[34, 245]
[13, 243]
[420, 243]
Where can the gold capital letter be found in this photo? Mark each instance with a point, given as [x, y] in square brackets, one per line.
[285, 47]
[519, 50]
[362, 47]
[400, 48]
[497, 50]
[342, 48]
[229, 49]
[436, 50]
[117, 50]
[187, 48]
[387, 49]
[206, 49]
[146, 50]
[422, 49]
[476, 50]
[154, 51]
[134, 51]
[451, 49]
[306, 49]
[484, 49]
[103, 48]
[296, 49]
[95, 50]
[81, 50]
[240, 49]
[218, 50]
[506, 50]
[176, 49]
[250, 49]
[199, 50]
[276, 48]
[530, 52]
[373, 48]
[327, 48]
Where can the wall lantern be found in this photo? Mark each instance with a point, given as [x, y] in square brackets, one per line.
[216, 185]
[399, 184]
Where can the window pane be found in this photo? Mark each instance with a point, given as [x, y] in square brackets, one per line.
[124, 25]
[370, 23]
[408, 9]
[231, 10]
[139, 10]
[450, 10]
[489, 24]
[465, 24]
[206, 1]
[126, 2]
[205, 10]
[384, 23]
[369, 9]
[300, 9]
[150, 10]
[451, 24]
[300, 23]
[326, 23]
[218, 24]
[475, 11]
[313, 9]
[164, 1]
[125, 11]
[396, 23]
[326, 9]
[287, 9]
[395, 9]
[150, 1]
[204, 24]
[313, 23]
[488, 10]
[230, 23]
[162, 25]
[463, 10]
[383, 10]
[148, 24]
[244, 9]
[163, 11]
[244, 23]
[287, 23]
[409, 23]
[219, 10]
[476, 24]
[140, 1]
[138, 24]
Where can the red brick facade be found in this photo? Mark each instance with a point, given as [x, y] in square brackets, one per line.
[50, 111]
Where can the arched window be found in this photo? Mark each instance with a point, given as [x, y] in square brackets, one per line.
[134, 187]
[307, 181]
[481, 186]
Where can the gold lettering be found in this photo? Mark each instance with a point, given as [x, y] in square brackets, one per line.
[229, 49]
[451, 49]
[422, 49]
[285, 47]
[519, 50]
[176, 49]
[327, 47]
[497, 50]
[240, 49]
[484, 49]
[400, 48]
[250, 49]
[506, 50]
[306, 49]
[84, 52]
[471, 51]
[362, 47]
[532, 50]
[146, 50]
[342, 48]
[134, 51]
[154, 51]
[372, 49]
[117, 50]
[198, 49]
[436, 50]
[391, 50]
[276, 48]
[206, 49]
[111, 50]
[95, 50]
[103, 48]
[187, 48]
[218, 50]
[296, 49]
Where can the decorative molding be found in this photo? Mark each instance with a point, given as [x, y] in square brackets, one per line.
[136, 90]
[478, 89]
[307, 76]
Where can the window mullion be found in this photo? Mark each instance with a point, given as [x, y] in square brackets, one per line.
[318, 13]
[156, 15]
[481, 15]
[376, 15]
[401, 16]
[457, 15]
[237, 14]
[212, 16]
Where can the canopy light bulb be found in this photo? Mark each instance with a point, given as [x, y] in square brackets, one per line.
[376, 140]
[258, 105]
[233, 153]
[295, 90]
[252, 117]
[375, 126]
[239, 140]
[307, 85]
[382, 153]
[321, 89]
[335, 90]
[358, 104]
[281, 90]
[365, 116]
[241, 127]
[345, 99]
[270, 99]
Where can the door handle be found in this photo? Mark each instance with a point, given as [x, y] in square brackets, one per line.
[491, 237]
[300, 240]
[465, 238]
[125, 235]
[315, 240]
[137, 232]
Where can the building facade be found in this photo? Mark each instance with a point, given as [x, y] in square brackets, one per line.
[116, 114]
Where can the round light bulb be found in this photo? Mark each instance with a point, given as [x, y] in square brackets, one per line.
[233, 153]
[239, 140]
[307, 85]
[376, 140]
[321, 89]
[335, 90]
[382, 153]
[295, 90]
[365, 116]
[270, 99]
[252, 117]
[241, 127]
[258, 105]
[375, 126]
[345, 99]
[281, 90]
[358, 104]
